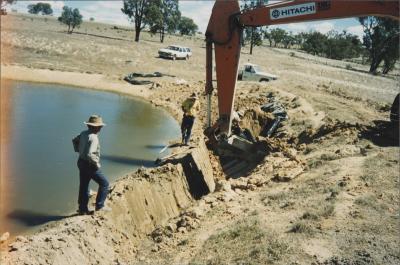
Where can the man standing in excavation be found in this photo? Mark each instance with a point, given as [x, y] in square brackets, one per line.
[190, 108]
[88, 146]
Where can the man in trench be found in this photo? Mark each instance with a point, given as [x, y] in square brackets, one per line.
[88, 145]
[190, 108]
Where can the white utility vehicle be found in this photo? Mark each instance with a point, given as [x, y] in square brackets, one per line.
[175, 52]
[252, 72]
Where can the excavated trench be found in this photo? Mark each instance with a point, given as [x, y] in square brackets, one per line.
[255, 125]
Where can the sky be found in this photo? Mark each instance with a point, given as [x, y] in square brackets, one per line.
[199, 11]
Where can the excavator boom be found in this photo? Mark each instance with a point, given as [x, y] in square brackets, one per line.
[300, 11]
[227, 22]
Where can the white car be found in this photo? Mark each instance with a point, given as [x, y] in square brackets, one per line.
[175, 52]
[252, 72]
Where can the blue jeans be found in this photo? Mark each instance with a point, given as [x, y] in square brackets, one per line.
[186, 128]
[88, 172]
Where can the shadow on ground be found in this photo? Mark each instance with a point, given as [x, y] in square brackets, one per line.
[155, 147]
[30, 218]
[234, 167]
[383, 133]
[163, 146]
[129, 160]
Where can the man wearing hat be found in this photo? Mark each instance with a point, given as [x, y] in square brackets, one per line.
[190, 108]
[88, 146]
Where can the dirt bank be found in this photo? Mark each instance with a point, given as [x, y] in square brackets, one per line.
[138, 206]
[91, 81]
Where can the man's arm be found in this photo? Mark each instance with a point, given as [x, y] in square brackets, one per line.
[93, 155]
[75, 143]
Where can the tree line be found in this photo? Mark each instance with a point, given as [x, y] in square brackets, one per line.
[333, 45]
[159, 16]
[379, 47]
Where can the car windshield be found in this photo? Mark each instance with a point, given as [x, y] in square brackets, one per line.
[173, 48]
[257, 68]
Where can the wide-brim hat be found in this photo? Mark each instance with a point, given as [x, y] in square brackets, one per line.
[193, 95]
[95, 120]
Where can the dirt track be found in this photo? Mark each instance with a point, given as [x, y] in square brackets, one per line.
[341, 207]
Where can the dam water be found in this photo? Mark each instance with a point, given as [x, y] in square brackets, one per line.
[40, 179]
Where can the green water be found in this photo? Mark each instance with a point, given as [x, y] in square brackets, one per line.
[42, 176]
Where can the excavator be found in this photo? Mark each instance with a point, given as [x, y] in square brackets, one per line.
[224, 32]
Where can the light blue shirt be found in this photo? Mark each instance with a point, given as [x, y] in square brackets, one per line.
[89, 147]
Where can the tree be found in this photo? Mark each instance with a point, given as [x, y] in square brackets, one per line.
[381, 39]
[136, 11]
[300, 38]
[71, 17]
[315, 43]
[44, 8]
[4, 3]
[187, 26]
[33, 9]
[267, 35]
[154, 18]
[342, 45]
[253, 35]
[332, 45]
[163, 16]
[288, 40]
[390, 58]
[277, 35]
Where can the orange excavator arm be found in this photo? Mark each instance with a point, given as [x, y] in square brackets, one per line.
[226, 25]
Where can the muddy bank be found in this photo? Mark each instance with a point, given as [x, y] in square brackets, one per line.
[86, 80]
